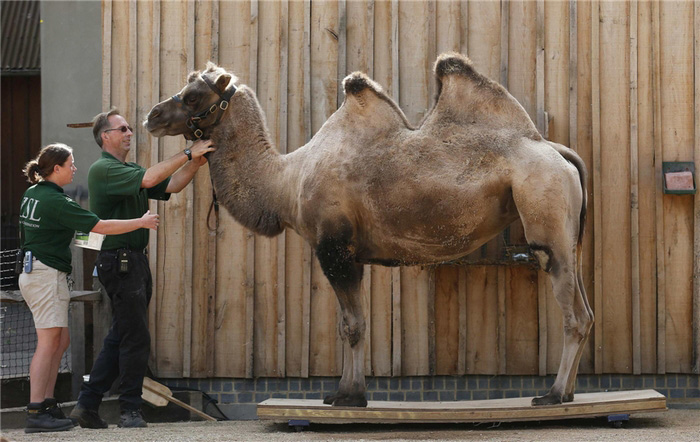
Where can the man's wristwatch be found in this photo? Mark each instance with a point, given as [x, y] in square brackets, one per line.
[188, 152]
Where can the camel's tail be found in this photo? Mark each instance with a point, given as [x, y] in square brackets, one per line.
[576, 160]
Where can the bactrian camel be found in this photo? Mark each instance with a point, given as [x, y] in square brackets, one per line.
[369, 188]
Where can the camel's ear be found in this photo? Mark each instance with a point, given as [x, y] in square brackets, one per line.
[222, 81]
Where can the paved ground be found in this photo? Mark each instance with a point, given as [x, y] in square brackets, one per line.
[672, 425]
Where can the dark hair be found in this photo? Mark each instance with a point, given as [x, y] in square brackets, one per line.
[42, 166]
[101, 122]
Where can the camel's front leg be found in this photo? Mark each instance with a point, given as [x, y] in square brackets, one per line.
[337, 261]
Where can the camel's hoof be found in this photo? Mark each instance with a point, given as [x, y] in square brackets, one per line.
[350, 401]
[567, 398]
[547, 399]
[328, 400]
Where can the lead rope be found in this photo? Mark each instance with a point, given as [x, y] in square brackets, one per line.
[214, 203]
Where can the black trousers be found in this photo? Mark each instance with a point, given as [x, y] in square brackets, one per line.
[126, 348]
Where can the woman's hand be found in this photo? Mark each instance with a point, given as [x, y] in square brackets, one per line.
[150, 221]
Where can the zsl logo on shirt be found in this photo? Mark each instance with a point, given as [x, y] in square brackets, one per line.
[27, 209]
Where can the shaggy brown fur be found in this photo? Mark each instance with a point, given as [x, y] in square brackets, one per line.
[370, 188]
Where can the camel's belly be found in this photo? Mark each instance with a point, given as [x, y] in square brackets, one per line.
[429, 243]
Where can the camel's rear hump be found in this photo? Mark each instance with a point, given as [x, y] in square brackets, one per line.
[468, 97]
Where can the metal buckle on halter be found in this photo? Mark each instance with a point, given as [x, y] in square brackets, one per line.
[223, 105]
[198, 133]
[212, 109]
[195, 119]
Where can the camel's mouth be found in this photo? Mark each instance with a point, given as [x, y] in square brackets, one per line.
[155, 131]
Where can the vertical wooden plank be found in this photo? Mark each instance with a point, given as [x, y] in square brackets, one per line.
[308, 258]
[539, 66]
[543, 351]
[153, 158]
[543, 279]
[447, 320]
[573, 73]
[359, 42]
[677, 96]
[448, 28]
[234, 265]
[325, 356]
[556, 105]
[282, 143]
[482, 320]
[297, 128]
[204, 250]
[397, 336]
[584, 147]
[615, 178]
[106, 53]
[414, 36]
[381, 287]
[396, 324]
[269, 290]
[189, 228]
[634, 194]
[503, 282]
[521, 321]
[696, 217]
[174, 286]
[647, 187]
[462, 305]
[597, 191]
[658, 153]
[521, 354]
[505, 27]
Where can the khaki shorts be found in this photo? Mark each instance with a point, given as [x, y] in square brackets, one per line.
[46, 291]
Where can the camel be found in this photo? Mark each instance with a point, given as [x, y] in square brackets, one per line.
[369, 188]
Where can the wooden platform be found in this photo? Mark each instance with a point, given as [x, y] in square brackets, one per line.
[494, 410]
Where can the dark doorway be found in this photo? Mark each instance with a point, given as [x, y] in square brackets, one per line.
[21, 141]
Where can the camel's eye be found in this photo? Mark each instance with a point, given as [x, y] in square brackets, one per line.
[190, 99]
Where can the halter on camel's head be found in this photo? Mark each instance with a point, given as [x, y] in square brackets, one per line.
[199, 114]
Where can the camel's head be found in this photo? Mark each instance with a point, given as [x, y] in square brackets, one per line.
[197, 108]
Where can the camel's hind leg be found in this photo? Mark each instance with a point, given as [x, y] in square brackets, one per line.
[337, 261]
[552, 230]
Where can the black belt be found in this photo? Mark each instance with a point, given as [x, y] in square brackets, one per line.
[116, 251]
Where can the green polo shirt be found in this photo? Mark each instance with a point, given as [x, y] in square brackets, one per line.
[116, 193]
[48, 220]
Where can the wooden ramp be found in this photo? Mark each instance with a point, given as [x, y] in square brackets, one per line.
[494, 410]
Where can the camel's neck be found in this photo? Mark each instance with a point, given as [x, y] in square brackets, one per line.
[248, 172]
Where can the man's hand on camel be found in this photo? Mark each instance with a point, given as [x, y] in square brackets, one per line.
[199, 148]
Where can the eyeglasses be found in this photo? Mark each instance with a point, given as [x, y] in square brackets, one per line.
[121, 128]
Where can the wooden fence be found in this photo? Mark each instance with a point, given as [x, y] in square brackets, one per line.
[617, 81]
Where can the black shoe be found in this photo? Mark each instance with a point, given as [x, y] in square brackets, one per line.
[40, 421]
[87, 418]
[131, 419]
[54, 410]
